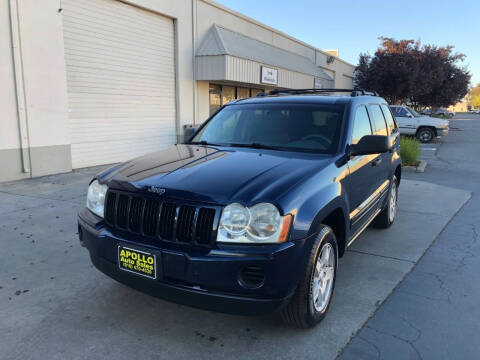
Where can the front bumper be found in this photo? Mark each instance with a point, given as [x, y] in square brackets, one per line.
[442, 132]
[208, 279]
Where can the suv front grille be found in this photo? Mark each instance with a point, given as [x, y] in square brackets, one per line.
[162, 219]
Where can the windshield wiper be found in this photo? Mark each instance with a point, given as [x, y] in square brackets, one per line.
[206, 143]
[255, 145]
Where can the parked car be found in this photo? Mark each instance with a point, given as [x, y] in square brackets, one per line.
[425, 128]
[427, 112]
[444, 112]
[474, 111]
[251, 214]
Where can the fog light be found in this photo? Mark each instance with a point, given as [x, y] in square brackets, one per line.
[252, 277]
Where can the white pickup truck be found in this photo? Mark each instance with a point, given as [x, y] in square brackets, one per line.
[425, 128]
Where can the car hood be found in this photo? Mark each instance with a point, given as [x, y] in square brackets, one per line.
[215, 174]
[428, 120]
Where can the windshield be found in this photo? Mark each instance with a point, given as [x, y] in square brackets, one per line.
[414, 113]
[295, 127]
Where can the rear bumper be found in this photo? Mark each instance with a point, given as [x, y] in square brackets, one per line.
[208, 280]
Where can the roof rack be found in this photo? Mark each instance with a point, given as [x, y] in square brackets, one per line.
[353, 92]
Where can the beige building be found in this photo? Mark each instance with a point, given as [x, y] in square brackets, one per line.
[91, 82]
[462, 106]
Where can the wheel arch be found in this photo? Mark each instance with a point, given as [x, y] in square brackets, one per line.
[333, 215]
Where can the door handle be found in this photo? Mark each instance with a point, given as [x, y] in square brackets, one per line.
[377, 161]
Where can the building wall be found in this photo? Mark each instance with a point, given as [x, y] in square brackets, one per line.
[10, 154]
[461, 106]
[203, 101]
[43, 90]
[45, 86]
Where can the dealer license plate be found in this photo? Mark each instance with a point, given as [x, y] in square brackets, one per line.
[137, 262]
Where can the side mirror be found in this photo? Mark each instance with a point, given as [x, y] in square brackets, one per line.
[409, 115]
[371, 144]
[188, 131]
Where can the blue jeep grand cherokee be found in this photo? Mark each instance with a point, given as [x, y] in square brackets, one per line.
[252, 213]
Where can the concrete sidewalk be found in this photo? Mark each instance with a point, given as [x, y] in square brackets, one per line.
[56, 305]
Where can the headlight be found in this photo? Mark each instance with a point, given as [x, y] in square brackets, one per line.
[235, 219]
[96, 197]
[260, 224]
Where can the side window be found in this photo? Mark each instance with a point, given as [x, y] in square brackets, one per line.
[399, 111]
[388, 118]
[377, 119]
[361, 124]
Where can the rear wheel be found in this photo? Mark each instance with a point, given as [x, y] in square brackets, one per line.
[387, 216]
[425, 134]
[312, 297]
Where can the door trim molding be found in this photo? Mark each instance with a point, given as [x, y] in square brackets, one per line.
[365, 205]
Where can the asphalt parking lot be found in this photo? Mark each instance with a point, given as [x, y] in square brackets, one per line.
[57, 306]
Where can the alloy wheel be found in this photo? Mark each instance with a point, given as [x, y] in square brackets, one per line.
[425, 136]
[323, 277]
[392, 206]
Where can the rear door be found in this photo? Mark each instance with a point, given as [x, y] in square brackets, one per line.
[392, 128]
[382, 162]
[406, 121]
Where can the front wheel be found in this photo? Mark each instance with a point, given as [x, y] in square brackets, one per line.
[425, 135]
[312, 297]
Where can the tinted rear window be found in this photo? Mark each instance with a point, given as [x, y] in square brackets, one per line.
[388, 118]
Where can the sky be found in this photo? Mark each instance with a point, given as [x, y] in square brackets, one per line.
[353, 26]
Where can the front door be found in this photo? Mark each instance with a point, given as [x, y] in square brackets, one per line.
[366, 175]
[406, 121]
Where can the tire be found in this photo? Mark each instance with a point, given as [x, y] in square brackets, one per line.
[303, 311]
[387, 216]
[425, 135]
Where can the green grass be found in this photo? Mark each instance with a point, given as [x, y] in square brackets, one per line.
[409, 150]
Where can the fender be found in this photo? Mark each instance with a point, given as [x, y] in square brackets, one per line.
[317, 206]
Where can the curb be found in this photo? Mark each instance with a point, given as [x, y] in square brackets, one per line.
[420, 168]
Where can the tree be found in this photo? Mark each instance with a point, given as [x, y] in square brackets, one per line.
[407, 71]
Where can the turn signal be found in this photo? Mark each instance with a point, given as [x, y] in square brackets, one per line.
[287, 223]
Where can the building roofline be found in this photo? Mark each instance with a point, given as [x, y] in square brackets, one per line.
[266, 27]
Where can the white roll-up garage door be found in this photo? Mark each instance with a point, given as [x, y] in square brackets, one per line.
[121, 80]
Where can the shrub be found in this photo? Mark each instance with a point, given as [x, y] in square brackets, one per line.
[409, 150]
[441, 116]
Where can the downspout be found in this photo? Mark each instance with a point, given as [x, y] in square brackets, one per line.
[194, 64]
[19, 85]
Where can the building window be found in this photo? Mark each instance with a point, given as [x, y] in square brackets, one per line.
[223, 94]
[228, 94]
[243, 93]
[255, 92]
[215, 97]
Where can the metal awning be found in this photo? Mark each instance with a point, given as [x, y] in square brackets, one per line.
[224, 42]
